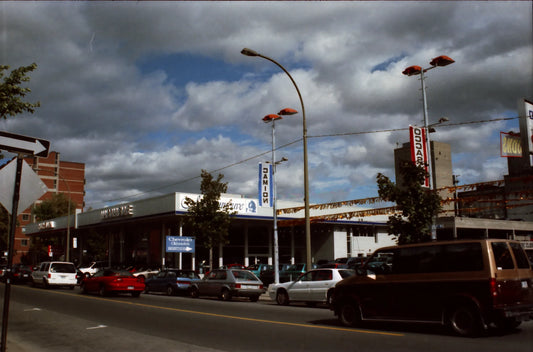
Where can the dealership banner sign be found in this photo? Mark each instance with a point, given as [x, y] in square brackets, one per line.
[265, 185]
[510, 145]
[419, 149]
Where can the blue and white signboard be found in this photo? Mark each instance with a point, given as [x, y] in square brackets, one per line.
[265, 185]
[180, 244]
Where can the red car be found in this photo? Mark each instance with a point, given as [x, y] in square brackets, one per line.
[110, 281]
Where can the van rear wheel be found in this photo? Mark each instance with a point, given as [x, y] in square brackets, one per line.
[465, 320]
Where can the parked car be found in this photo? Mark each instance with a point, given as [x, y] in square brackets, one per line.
[315, 286]
[21, 273]
[465, 285]
[93, 267]
[55, 274]
[267, 276]
[257, 269]
[145, 272]
[227, 283]
[294, 271]
[171, 281]
[110, 281]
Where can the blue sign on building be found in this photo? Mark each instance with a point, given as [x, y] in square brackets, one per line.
[180, 244]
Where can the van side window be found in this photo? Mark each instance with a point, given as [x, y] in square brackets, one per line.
[455, 257]
[521, 259]
[502, 255]
[463, 257]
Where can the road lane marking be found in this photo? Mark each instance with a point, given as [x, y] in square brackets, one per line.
[96, 327]
[236, 317]
[32, 309]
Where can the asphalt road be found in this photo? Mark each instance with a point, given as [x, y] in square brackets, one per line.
[65, 320]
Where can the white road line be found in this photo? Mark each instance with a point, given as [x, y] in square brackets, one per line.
[97, 327]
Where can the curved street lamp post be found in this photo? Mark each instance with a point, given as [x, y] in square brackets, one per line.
[250, 52]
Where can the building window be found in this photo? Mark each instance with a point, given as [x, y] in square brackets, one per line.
[24, 243]
[25, 217]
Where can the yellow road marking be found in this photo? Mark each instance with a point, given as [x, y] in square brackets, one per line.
[235, 317]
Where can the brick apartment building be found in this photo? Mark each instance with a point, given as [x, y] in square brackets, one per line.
[60, 177]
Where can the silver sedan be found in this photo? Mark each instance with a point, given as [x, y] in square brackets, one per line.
[313, 287]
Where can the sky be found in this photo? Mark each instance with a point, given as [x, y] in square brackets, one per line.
[147, 94]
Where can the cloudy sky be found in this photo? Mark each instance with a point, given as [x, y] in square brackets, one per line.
[148, 94]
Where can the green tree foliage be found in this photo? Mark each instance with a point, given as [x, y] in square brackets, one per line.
[11, 92]
[418, 205]
[206, 218]
[54, 207]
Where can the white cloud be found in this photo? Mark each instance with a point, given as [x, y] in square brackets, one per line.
[138, 131]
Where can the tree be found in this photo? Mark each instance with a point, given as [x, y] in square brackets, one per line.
[418, 205]
[11, 93]
[206, 218]
[54, 207]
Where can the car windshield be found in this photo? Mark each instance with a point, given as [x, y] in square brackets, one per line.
[117, 273]
[62, 268]
[244, 275]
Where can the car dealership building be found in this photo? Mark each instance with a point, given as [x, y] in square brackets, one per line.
[146, 232]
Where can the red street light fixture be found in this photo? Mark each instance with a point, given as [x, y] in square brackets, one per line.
[439, 61]
[271, 117]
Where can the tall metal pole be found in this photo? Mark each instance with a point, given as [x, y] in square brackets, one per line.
[11, 240]
[430, 155]
[274, 205]
[249, 52]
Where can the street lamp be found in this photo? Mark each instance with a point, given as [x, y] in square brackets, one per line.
[67, 257]
[250, 52]
[439, 61]
[272, 118]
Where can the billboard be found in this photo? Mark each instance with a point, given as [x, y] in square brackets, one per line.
[510, 145]
[419, 149]
[265, 185]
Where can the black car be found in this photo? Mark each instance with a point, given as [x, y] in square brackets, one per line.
[21, 273]
[171, 281]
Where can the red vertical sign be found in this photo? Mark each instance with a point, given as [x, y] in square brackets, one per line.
[419, 149]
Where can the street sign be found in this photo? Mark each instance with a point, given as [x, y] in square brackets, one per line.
[16, 143]
[31, 186]
[180, 244]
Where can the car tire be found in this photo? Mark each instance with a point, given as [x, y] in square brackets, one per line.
[45, 284]
[147, 289]
[282, 298]
[136, 294]
[329, 298]
[102, 291]
[170, 291]
[83, 288]
[194, 292]
[350, 313]
[254, 298]
[225, 295]
[465, 320]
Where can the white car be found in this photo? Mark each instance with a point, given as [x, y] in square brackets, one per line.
[55, 274]
[313, 287]
[93, 267]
